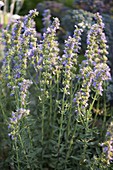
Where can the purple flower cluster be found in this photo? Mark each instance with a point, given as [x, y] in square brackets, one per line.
[101, 73]
[53, 27]
[48, 49]
[15, 33]
[45, 53]
[17, 44]
[94, 70]
[107, 146]
[28, 18]
[72, 47]
[21, 112]
[82, 96]
[24, 85]
[15, 120]
[70, 56]
[29, 47]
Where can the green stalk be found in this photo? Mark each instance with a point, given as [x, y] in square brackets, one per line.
[71, 143]
[61, 121]
[70, 113]
[73, 136]
[29, 133]
[23, 148]
[69, 131]
[88, 116]
[18, 164]
[50, 111]
[43, 112]
[105, 110]
[56, 104]
[43, 97]
[60, 130]
[75, 128]
[96, 114]
[4, 115]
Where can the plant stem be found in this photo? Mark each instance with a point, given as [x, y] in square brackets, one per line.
[97, 108]
[17, 155]
[43, 109]
[70, 112]
[24, 150]
[71, 142]
[50, 114]
[56, 104]
[88, 116]
[61, 120]
[105, 111]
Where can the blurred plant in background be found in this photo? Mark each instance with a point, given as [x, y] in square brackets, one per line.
[8, 13]
[105, 6]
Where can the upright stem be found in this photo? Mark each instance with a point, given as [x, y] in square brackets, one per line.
[70, 112]
[43, 109]
[18, 164]
[23, 148]
[105, 111]
[43, 114]
[88, 116]
[5, 117]
[97, 108]
[71, 142]
[60, 128]
[88, 113]
[56, 104]
[61, 120]
[50, 114]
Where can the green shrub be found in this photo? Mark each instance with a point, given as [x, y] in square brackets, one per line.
[50, 100]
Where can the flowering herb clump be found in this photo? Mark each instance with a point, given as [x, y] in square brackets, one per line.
[15, 122]
[52, 124]
[18, 39]
[94, 70]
